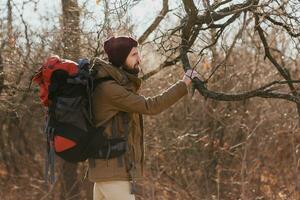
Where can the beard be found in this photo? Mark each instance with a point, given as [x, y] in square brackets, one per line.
[135, 70]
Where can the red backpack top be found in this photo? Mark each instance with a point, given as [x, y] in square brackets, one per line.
[43, 76]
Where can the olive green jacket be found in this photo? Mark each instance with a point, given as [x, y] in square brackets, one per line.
[113, 97]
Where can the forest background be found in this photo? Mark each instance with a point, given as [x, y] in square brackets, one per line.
[237, 137]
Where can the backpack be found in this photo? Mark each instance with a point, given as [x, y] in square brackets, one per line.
[66, 90]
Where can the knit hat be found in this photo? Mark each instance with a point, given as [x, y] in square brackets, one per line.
[118, 48]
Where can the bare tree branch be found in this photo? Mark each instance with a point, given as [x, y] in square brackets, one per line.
[155, 23]
[230, 10]
[285, 26]
[238, 35]
[97, 51]
[187, 30]
[209, 18]
[162, 66]
[262, 92]
[281, 69]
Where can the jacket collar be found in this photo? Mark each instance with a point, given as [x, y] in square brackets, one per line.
[105, 69]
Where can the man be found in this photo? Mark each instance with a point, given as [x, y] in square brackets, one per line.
[119, 108]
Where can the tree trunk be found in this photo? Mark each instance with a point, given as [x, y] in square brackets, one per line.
[71, 29]
[71, 40]
[1, 72]
[9, 24]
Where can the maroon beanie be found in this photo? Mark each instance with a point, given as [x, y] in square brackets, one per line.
[118, 48]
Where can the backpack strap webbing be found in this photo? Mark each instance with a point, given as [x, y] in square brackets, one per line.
[125, 117]
[50, 153]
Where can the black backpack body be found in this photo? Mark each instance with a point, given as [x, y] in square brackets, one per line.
[70, 130]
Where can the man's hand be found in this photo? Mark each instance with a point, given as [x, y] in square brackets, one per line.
[189, 75]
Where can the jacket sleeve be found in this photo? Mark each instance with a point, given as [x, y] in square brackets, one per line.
[127, 101]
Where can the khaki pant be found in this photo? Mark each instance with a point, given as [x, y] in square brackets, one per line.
[113, 190]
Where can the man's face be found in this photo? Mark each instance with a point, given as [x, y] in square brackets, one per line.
[132, 61]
